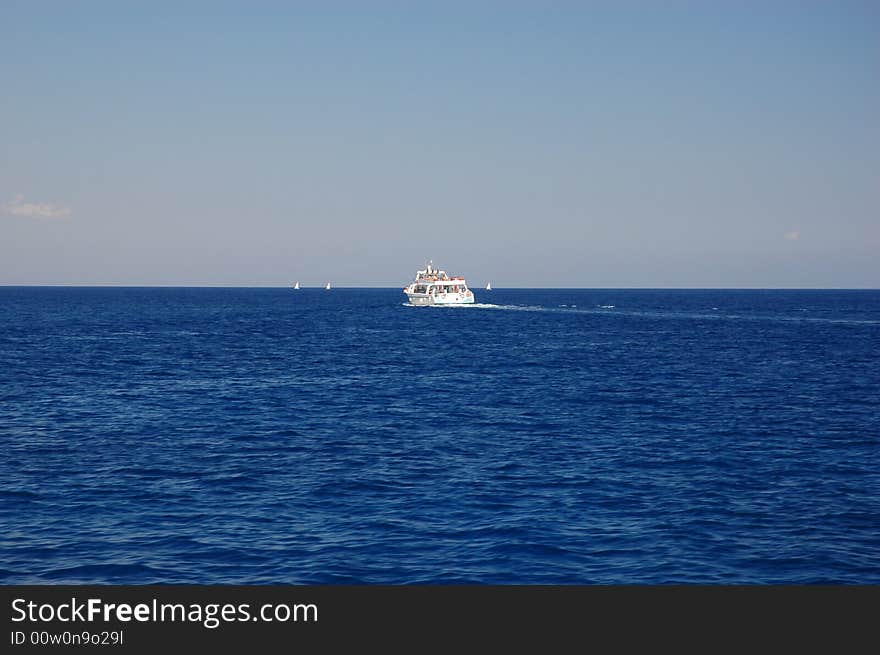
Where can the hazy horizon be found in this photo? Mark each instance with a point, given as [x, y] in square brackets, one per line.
[476, 287]
[595, 145]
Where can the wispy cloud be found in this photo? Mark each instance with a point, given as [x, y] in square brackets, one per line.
[794, 235]
[18, 207]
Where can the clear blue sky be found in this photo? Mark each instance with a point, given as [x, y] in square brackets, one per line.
[530, 143]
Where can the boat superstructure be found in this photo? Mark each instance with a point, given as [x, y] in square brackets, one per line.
[435, 287]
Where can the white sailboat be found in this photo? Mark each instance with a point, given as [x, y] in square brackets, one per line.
[296, 285]
[327, 287]
[488, 286]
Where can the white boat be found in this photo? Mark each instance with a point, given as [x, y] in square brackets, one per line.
[296, 286]
[435, 287]
[488, 286]
[328, 286]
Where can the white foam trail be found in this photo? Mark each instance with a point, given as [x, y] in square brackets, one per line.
[483, 305]
[654, 313]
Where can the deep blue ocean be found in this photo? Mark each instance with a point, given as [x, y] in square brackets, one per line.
[250, 436]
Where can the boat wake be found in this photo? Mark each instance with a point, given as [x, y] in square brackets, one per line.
[713, 314]
[483, 305]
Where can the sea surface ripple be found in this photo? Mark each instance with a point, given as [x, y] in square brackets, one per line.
[592, 436]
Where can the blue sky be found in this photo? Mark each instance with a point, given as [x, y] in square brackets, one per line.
[533, 144]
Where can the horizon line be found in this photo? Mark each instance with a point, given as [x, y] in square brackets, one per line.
[113, 285]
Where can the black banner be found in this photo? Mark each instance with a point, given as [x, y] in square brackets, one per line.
[416, 618]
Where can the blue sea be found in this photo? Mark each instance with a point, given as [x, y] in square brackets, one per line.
[569, 436]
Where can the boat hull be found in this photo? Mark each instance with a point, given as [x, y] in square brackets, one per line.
[424, 299]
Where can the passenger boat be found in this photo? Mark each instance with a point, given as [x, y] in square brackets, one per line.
[435, 287]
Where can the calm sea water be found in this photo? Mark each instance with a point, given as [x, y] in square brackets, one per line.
[155, 435]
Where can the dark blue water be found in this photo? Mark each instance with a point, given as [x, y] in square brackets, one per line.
[556, 436]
